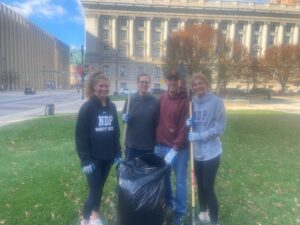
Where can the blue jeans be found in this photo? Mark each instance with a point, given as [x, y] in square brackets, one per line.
[179, 166]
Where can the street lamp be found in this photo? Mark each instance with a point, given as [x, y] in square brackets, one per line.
[116, 51]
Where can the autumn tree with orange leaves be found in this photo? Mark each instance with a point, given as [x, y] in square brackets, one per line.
[192, 47]
[283, 63]
[232, 61]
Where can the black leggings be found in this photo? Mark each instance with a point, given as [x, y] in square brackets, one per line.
[96, 182]
[205, 172]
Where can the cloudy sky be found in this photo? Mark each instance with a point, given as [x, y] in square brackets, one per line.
[62, 18]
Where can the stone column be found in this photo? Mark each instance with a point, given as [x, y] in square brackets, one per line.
[114, 32]
[280, 34]
[264, 38]
[182, 24]
[217, 24]
[296, 34]
[232, 31]
[166, 29]
[165, 35]
[131, 37]
[249, 36]
[149, 37]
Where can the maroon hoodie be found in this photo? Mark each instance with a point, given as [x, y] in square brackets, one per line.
[171, 130]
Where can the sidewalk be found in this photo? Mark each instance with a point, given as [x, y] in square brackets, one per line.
[287, 105]
[66, 108]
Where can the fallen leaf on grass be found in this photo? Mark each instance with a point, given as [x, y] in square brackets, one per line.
[27, 213]
[278, 204]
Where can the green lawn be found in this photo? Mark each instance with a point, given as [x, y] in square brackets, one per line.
[258, 182]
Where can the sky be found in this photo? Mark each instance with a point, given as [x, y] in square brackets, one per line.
[61, 18]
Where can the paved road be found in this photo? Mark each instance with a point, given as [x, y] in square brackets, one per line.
[15, 106]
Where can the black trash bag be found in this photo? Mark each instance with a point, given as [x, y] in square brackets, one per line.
[141, 189]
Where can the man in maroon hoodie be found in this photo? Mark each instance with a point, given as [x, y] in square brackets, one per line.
[171, 141]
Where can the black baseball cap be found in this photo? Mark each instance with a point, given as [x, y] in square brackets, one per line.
[173, 75]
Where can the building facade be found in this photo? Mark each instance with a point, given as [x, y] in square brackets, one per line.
[126, 38]
[29, 56]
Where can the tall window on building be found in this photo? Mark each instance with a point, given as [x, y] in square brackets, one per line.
[140, 35]
[123, 71]
[156, 36]
[239, 38]
[140, 70]
[140, 52]
[257, 27]
[123, 51]
[288, 28]
[271, 40]
[106, 34]
[106, 70]
[287, 39]
[106, 21]
[174, 25]
[123, 35]
[255, 39]
[240, 27]
[106, 51]
[123, 85]
[157, 72]
[156, 52]
[273, 28]
[140, 23]
[157, 23]
[224, 28]
[123, 22]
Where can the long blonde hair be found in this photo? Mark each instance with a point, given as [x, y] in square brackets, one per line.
[92, 80]
[200, 76]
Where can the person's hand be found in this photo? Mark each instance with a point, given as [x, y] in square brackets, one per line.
[194, 136]
[170, 156]
[118, 160]
[89, 169]
[126, 117]
[190, 122]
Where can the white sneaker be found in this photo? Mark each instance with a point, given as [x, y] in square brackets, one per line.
[96, 222]
[84, 222]
[204, 217]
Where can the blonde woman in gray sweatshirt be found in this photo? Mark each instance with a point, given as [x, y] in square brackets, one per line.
[208, 122]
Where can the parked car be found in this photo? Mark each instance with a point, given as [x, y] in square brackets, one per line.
[232, 93]
[29, 91]
[266, 93]
[124, 91]
[156, 91]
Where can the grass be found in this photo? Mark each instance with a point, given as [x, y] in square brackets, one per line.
[258, 183]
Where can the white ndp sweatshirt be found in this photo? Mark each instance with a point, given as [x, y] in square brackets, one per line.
[210, 121]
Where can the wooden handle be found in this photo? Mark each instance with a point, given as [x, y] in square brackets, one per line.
[125, 125]
[192, 159]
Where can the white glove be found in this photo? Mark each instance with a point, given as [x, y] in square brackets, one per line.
[190, 122]
[126, 117]
[89, 169]
[194, 136]
[170, 156]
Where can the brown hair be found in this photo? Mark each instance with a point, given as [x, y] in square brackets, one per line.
[93, 78]
[200, 76]
[143, 75]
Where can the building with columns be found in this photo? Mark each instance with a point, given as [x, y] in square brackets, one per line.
[127, 37]
[29, 56]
